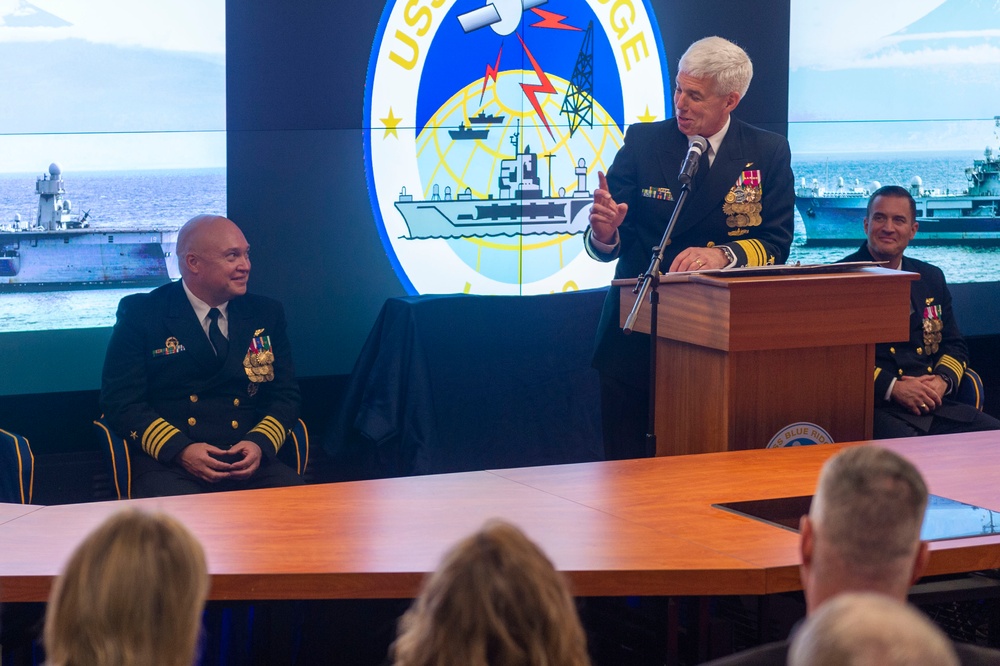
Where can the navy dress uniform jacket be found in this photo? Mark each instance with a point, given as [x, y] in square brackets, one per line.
[911, 357]
[161, 400]
[644, 175]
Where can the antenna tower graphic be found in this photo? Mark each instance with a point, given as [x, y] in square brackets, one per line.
[578, 105]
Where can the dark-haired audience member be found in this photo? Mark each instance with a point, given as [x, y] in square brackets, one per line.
[131, 594]
[867, 629]
[862, 534]
[495, 600]
[916, 379]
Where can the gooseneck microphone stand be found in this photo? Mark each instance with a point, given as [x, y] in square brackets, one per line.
[649, 282]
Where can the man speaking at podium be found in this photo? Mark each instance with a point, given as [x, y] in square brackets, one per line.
[738, 213]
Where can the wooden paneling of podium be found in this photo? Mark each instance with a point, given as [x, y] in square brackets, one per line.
[743, 354]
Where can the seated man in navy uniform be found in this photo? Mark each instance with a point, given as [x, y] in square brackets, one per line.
[915, 379]
[198, 376]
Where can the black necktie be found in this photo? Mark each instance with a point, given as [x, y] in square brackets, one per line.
[702, 173]
[215, 335]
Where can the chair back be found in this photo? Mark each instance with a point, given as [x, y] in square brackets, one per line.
[115, 451]
[17, 469]
[970, 389]
[298, 437]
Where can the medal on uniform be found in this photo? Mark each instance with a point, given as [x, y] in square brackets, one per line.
[171, 346]
[743, 203]
[932, 326]
[258, 364]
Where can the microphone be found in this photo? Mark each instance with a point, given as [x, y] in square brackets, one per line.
[696, 146]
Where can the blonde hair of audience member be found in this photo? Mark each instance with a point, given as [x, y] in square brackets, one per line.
[131, 594]
[863, 528]
[495, 600]
[868, 629]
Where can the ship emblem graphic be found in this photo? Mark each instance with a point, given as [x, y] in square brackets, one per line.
[521, 207]
[485, 138]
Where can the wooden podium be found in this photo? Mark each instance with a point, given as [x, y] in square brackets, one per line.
[743, 354]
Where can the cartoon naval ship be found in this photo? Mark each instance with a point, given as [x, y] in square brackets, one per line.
[62, 251]
[470, 133]
[520, 208]
[483, 119]
[971, 217]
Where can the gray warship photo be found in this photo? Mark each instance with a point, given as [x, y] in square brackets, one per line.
[62, 268]
[957, 197]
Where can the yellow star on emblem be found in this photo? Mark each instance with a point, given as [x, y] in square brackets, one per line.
[134, 435]
[647, 117]
[390, 123]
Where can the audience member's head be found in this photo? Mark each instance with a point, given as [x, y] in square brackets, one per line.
[495, 600]
[866, 629]
[131, 593]
[863, 529]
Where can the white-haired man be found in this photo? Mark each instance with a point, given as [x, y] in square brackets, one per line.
[739, 213]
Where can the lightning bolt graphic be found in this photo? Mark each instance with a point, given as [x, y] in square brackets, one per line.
[551, 20]
[531, 88]
[491, 73]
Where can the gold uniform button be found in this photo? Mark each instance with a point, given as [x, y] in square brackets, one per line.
[192, 421]
[930, 369]
[236, 402]
[920, 351]
[892, 350]
[194, 397]
[236, 424]
[900, 372]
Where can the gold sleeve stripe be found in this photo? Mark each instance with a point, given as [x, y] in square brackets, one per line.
[156, 435]
[272, 429]
[951, 363]
[877, 372]
[754, 249]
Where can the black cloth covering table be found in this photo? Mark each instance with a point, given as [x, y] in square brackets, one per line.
[458, 383]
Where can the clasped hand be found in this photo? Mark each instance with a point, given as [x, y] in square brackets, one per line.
[919, 395]
[212, 464]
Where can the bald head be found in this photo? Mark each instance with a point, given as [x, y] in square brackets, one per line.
[214, 258]
[870, 630]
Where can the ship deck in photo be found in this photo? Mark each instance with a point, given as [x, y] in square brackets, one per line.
[88, 258]
[61, 251]
[972, 217]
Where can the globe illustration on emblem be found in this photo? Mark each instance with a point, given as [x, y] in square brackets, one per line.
[510, 198]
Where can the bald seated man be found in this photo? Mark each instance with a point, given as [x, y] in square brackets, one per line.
[868, 629]
[198, 375]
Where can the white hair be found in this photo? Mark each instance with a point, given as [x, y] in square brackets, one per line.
[720, 60]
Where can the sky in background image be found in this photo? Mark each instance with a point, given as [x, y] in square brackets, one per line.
[897, 75]
[112, 84]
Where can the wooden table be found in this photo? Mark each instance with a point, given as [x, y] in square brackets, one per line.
[639, 527]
